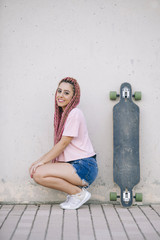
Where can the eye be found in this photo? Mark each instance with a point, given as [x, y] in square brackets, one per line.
[66, 93]
[59, 90]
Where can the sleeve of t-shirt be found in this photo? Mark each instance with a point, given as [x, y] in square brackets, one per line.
[72, 124]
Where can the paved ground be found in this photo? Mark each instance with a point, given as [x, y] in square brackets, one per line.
[46, 222]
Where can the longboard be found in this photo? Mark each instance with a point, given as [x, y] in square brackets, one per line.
[126, 165]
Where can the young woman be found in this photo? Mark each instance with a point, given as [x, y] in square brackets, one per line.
[70, 166]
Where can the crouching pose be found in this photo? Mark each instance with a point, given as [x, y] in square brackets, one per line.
[70, 166]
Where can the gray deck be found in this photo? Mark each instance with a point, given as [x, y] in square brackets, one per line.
[98, 222]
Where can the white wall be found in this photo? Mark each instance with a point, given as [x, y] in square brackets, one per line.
[102, 44]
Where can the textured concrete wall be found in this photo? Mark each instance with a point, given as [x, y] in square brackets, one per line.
[100, 43]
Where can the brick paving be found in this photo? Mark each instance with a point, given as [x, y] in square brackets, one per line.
[90, 222]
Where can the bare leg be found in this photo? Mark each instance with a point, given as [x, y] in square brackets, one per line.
[59, 176]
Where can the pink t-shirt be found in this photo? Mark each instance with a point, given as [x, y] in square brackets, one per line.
[80, 146]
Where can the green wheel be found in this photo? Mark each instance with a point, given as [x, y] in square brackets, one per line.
[113, 196]
[138, 95]
[138, 197]
[113, 95]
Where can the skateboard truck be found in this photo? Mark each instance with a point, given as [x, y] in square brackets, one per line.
[125, 92]
[126, 196]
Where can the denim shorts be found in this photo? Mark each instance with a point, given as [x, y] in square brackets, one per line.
[86, 168]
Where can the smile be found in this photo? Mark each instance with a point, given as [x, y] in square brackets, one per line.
[60, 100]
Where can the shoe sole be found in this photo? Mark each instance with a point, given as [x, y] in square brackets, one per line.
[88, 195]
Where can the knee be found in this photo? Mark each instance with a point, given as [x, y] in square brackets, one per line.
[38, 177]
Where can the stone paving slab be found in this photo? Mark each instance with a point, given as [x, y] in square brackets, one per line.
[90, 222]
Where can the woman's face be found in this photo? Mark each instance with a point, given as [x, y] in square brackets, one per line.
[64, 94]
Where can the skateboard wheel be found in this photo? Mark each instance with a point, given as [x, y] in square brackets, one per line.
[138, 96]
[138, 197]
[113, 196]
[113, 95]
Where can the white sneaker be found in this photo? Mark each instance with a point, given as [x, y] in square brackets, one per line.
[64, 203]
[77, 200]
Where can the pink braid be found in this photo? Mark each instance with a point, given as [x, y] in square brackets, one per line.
[60, 116]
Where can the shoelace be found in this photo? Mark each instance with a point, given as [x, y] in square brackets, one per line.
[74, 199]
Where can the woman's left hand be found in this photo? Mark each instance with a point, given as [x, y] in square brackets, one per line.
[33, 168]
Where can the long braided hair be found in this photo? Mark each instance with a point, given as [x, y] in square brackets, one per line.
[60, 116]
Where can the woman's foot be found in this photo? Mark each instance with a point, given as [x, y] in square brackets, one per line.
[76, 201]
[64, 203]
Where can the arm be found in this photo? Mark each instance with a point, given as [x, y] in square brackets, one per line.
[52, 154]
